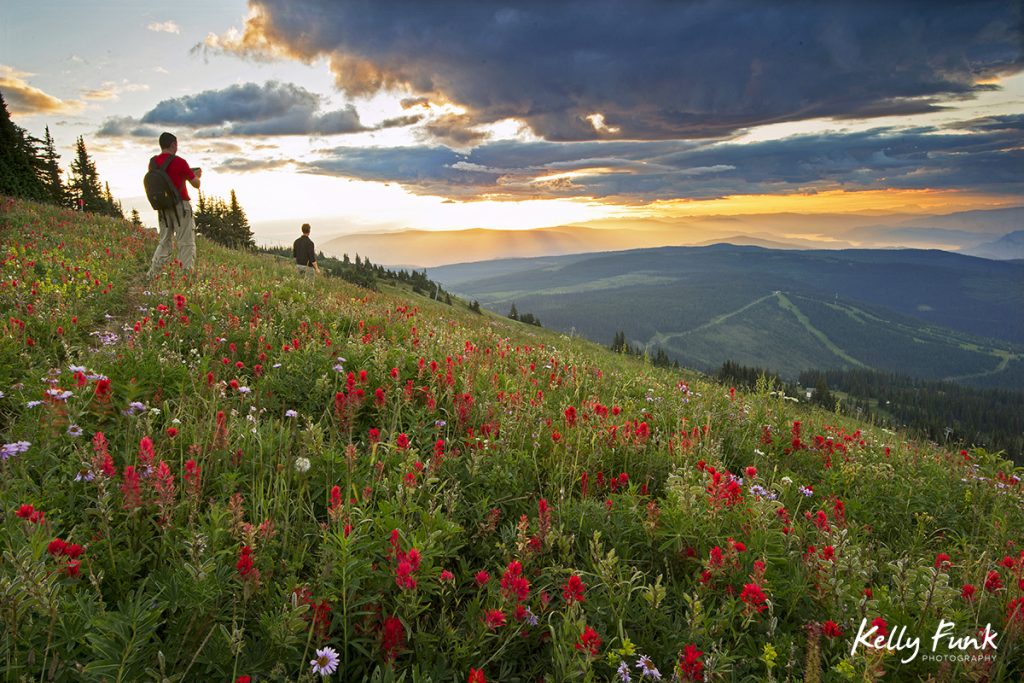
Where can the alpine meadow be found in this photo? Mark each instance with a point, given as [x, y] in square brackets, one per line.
[238, 472]
[462, 341]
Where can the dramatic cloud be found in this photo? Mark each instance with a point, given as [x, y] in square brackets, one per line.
[983, 156]
[247, 103]
[249, 109]
[126, 126]
[647, 69]
[164, 27]
[25, 100]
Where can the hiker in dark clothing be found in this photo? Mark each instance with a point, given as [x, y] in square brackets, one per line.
[305, 254]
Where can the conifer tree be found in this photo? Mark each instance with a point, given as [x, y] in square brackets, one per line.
[19, 163]
[51, 175]
[112, 206]
[239, 231]
[211, 219]
[136, 218]
[513, 314]
[85, 181]
[619, 343]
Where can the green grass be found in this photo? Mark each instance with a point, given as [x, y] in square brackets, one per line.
[271, 496]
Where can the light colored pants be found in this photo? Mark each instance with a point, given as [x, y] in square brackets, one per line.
[306, 271]
[184, 227]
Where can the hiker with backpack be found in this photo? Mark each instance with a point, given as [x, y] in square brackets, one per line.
[167, 193]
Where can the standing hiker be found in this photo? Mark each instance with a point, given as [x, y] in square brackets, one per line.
[305, 253]
[168, 194]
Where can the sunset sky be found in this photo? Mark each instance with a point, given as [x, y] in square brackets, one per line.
[375, 116]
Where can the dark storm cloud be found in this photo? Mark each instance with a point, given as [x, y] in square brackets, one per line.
[983, 156]
[248, 102]
[126, 126]
[248, 109]
[251, 109]
[654, 69]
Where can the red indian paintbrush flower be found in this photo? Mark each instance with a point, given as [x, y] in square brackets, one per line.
[494, 619]
[831, 629]
[589, 642]
[392, 637]
[689, 667]
[130, 488]
[573, 589]
[513, 585]
[754, 597]
[245, 566]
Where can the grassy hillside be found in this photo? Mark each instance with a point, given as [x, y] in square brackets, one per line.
[235, 473]
[926, 313]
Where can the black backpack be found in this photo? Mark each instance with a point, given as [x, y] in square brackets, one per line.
[160, 190]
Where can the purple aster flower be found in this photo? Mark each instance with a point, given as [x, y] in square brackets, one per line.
[11, 449]
[647, 667]
[326, 662]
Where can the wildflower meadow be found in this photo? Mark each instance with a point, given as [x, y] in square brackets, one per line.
[242, 475]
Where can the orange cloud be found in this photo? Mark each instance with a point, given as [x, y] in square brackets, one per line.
[255, 41]
[260, 40]
[26, 100]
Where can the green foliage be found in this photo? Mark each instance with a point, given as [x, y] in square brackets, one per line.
[224, 222]
[940, 411]
[329, 466]
[19, 176]
[50, 173]
[85, 181]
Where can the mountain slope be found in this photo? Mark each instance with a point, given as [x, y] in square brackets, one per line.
[226, 474]
[931, 313]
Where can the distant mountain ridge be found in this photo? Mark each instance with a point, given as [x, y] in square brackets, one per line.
[929, 313]
[1009, 246]
[429, 248]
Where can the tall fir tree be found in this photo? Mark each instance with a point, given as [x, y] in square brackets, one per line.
[53, 179]
[112, 206]
[136, 218]
[211, 218]
[85, 181]
[223, 222]
[240, 232]
[19, 161]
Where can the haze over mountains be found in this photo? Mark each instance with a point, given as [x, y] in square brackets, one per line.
[927, 313]
[984, 233]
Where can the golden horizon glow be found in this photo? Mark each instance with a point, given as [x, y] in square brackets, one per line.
[832, 201]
